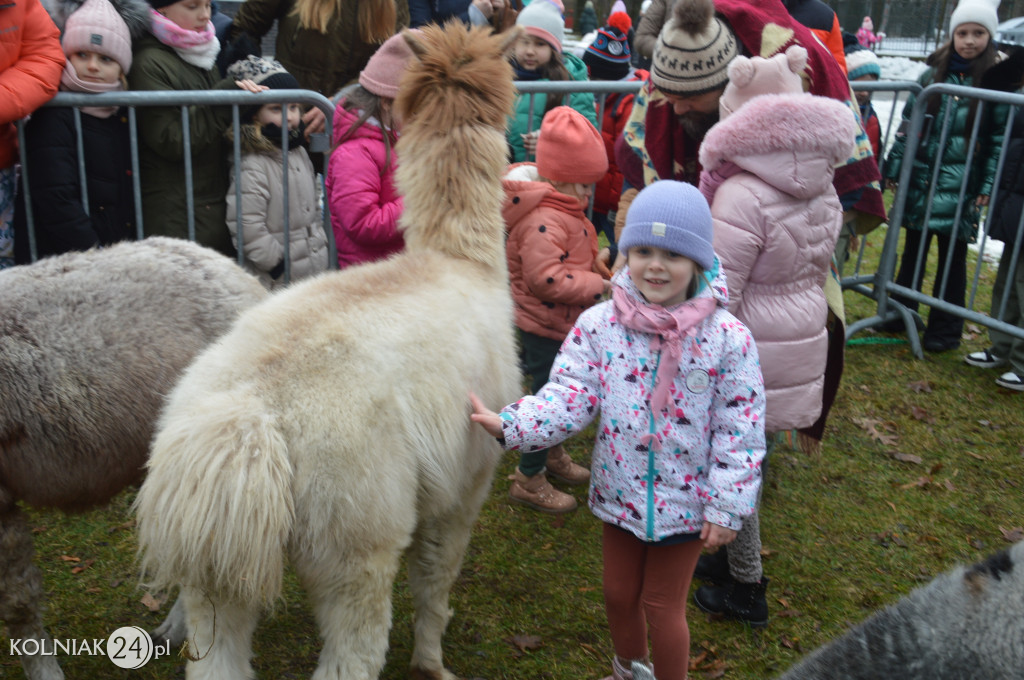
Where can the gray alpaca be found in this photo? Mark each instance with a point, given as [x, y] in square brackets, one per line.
[89, 345]
[967, 624]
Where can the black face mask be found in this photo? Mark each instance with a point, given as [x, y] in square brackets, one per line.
[296, 137]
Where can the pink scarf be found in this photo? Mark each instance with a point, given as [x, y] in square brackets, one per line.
[70, 82]
[667, 326]
[197, 48]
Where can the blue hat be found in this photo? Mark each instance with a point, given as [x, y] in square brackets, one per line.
[673, 216]
[607, 58]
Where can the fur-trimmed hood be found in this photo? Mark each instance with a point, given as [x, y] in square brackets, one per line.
[134, 12]
[791, 141]
[253, 140]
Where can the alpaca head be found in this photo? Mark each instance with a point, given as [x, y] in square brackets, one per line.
[459, 77]
[454, 99]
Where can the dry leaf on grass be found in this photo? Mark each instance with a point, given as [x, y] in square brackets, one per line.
[921, 414]
[526, 643]
[908, 458]
[920, 386]
[82, 567]
[877, 430]
[152, 603]
[1012, 535]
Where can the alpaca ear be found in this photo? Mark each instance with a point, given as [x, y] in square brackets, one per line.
[413, 41]
[741, 71]
[796, 56]
[509, 38]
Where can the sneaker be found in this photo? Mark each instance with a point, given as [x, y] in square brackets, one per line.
[1011, 381]
[742, 601]
[536, 492]
[561, 467]
[984, 359]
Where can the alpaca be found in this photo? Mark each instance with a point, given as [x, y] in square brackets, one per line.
[331, 426]
[89, 345]
[967, 624]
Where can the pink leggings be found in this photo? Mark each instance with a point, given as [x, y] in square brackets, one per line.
[647, 586]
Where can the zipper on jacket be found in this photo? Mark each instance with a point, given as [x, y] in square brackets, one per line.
[650, 452]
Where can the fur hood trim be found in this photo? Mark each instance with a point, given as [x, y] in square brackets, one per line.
[134, 12]
[786, 123]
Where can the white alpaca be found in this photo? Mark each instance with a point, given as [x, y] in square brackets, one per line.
[330, 426]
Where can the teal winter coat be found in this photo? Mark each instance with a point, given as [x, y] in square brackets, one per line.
[519, 123]
[953, 164]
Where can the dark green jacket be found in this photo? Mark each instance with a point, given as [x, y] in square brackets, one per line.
[953, 164]
[156, 66]
[324, 62]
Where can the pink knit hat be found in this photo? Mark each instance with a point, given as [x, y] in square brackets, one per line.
[385, 68]
[570, 148]
[751, 77]
[97, 27]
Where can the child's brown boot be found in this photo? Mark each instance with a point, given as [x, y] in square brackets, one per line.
[536, 492]
[561, 467]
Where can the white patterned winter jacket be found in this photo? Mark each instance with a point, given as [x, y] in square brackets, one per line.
[656, 474]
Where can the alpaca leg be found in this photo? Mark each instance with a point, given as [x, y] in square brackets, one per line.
[435, 559]
[219, 636]
[174, 628]
[21, 595]
[351, 596]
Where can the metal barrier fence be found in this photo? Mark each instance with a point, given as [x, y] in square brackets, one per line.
[889, 98]
[184, 100]
[883, 286]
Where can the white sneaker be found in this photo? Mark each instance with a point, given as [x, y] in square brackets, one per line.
[1011, 381]
[984, 359]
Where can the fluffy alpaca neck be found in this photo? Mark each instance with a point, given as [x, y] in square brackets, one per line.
[453, 194]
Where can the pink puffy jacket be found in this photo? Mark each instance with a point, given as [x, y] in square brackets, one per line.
[364, 203]
[768, 171]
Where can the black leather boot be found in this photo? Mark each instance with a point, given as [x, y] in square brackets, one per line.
[714, 567]
[742, 601]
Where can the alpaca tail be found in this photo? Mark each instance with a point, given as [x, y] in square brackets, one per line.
[216, 509]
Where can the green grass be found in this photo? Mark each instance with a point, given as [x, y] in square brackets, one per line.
[844, 533]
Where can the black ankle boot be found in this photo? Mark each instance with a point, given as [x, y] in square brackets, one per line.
[713, 568]
[743, 601]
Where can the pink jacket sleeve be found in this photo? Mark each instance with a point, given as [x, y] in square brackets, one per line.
[364, 205]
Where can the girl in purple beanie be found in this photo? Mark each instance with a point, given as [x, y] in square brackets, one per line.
[675, 382]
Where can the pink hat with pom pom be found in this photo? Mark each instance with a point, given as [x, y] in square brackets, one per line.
[755, 76]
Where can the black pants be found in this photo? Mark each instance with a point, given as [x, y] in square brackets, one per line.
[538, 354]
[942, 326]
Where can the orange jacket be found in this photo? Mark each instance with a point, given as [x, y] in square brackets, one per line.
[31, 61]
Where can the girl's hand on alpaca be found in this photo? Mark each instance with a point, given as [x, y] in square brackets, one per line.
[251, 86]
[315, 121]
[714, 535]
[488, 419]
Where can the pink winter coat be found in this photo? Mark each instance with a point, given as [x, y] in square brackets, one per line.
[364, 203]
[768, 176]
[551, 249]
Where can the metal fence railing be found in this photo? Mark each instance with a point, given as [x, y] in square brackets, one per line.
[183, 100]
[889, 98]
[883, 286]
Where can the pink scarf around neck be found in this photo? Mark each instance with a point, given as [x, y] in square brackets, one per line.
[667, 327]
[70, 82]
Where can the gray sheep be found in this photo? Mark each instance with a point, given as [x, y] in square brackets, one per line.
[967, 624]
[89, 345]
